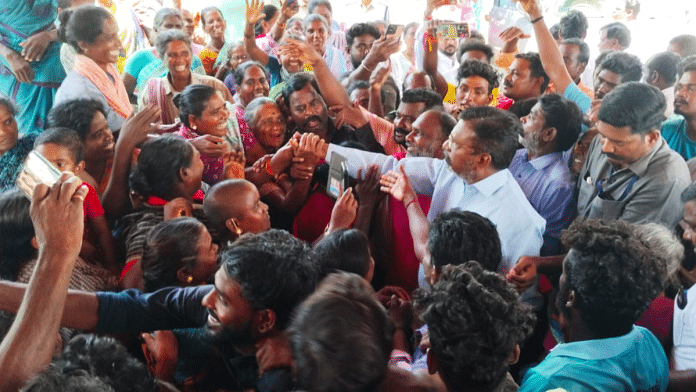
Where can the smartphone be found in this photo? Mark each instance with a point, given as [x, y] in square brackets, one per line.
[453, 30]
[338, 176]
[394, 30]
[36, 170]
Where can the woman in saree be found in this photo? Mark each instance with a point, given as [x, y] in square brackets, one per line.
[30, 69]
[174, 48]
[215, 52]
[93, 32]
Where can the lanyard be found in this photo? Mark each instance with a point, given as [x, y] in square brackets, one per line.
[606, 196]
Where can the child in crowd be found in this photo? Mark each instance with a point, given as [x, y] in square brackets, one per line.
[63, 148]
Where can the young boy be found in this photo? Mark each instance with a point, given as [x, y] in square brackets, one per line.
[63, 148]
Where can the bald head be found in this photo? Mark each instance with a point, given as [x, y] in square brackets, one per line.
[222, 203]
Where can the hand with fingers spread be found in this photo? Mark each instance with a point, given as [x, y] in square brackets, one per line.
[398, 185]
[135, 129]
[210, 145]
[511, 36]
[368, 189]
[55, 208]
[288, 9]
[254, 11]
[381, 50]
[176, 208]
[343, 213]
[301, 50]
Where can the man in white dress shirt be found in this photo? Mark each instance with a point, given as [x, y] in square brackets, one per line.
[472, 177]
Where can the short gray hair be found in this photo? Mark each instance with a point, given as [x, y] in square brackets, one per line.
[168, 36]
[251, 110]
[665, 245]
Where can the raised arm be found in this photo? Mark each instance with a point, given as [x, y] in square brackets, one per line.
[430, 56]
[133, 132]
[253, 15]
[288, 9]
[380, 51]
[331, 90]
[30, 343]
[550, 55]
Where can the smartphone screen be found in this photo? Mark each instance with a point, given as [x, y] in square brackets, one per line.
[453, 30]
[338, 176]
[36, 170]
[394, 30]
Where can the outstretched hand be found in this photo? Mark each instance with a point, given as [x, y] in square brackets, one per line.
[513, 33]
[344, 212]
[135, 129]
[368, 188]
[254, 11]
[289, 8]
[300, 50]
[398, 185]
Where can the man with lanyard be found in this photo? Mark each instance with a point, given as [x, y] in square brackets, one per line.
[631, 173]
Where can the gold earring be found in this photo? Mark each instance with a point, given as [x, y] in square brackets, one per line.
[239, 231]
[189, 279]
[194, 127]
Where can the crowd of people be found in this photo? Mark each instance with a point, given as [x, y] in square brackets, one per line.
[331, 206]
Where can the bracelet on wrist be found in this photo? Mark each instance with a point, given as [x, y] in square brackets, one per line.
[365, 66]
[410, 202]
[537, 19]
[267, 166]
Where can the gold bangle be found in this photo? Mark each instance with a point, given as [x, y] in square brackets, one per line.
[365, 66]
[281, 25]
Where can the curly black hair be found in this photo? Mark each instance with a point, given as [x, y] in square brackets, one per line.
[475, 320]
[341, 337]
[107, 359]
[457, 236]
[613, 274]
[477, 68]
[275, 271]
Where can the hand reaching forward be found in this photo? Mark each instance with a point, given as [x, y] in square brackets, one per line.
[301, 50]
[344, 211]
[368, 188]
[398, 185]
